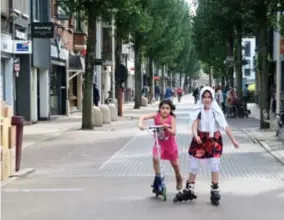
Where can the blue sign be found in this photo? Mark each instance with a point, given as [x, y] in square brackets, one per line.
[23, 47]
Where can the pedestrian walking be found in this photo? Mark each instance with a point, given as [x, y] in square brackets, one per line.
[207, 144]
[96, 95]
[167, 140]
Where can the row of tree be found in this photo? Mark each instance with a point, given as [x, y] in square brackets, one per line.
[219, 27]
[161, 33]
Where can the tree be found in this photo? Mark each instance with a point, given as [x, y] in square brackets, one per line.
[89, 11]
[167, 40]
[243, 18]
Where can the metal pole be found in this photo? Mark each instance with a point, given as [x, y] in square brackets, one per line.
[278, 65]
[113, 57]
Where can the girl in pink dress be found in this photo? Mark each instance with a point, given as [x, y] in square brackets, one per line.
[167, 140]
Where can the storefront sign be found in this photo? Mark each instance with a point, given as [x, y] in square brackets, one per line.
[22, 47]
[6, 43]
[42, 30]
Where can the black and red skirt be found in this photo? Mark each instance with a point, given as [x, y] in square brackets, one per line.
[210, 148]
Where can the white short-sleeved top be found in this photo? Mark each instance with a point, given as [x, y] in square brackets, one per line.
[205, 127]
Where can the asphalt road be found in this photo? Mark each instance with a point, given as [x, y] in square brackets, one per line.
[107, 175]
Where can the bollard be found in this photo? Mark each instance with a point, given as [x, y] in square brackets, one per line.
[105, 114]
[18, 121]
[97, 117]
[144, 101]
[113, 112]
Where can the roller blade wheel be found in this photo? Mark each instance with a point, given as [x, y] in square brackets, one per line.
[215, 198]
[184, 196]
[215, 202]
[165, 194]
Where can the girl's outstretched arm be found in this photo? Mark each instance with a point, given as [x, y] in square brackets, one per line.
[145, 117]
[173, 128]
[231, 136]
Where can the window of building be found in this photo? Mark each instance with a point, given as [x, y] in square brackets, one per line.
[107, 39]
[247, 49]
[247, 72]
[17, 4]
[5, 6]
[25, 7]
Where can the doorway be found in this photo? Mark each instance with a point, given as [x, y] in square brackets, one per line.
[58, 90]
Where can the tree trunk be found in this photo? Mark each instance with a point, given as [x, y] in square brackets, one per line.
[230, 48]
[138, 75]
[263, 71]
[118, 96]
[238, 62]
[87, 108]
[163, 82]
[150, 79]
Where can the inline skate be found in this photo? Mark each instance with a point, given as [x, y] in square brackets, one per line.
[215, 194]
[186, 194]
[159, 187]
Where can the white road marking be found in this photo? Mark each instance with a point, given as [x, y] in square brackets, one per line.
[44, 190]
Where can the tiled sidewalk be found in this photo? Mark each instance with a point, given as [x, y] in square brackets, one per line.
[46, 130]
[269, 141]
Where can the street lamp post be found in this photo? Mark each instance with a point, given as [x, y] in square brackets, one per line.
[278, 65]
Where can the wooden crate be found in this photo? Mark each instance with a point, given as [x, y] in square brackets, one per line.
[12, 136]
[13, 160]
[2, 106]
[8, 111]
[6, 164]
[5, 132]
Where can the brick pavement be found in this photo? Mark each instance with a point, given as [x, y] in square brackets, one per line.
[107, 175]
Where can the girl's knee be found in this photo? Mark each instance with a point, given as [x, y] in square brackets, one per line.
[215, 164]
[155, 160]
[193, 165]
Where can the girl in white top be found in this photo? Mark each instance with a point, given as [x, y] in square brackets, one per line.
[207, 144]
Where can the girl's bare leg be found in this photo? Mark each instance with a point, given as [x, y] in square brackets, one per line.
[178, 175]
[215, 177]
[156, 166]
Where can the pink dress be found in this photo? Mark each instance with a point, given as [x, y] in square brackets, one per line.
[167, 141]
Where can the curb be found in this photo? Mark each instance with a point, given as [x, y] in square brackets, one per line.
[20, 174]
[265, 146]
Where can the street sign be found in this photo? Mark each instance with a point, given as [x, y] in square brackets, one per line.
[42, 30]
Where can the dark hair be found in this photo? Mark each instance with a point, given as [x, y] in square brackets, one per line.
[211, 95]
[169, 103]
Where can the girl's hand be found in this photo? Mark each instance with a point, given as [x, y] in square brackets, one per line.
[236, 144]
[166, 126]
[198, 140]
[141, 127]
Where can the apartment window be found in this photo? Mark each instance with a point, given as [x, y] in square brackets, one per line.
[5, 6]
[247, 49]
[107, 39]
[17, 4]
[247, 72]
[22, 6]
[36, 10]
[26, 7]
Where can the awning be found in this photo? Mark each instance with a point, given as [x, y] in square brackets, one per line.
[77, 65]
